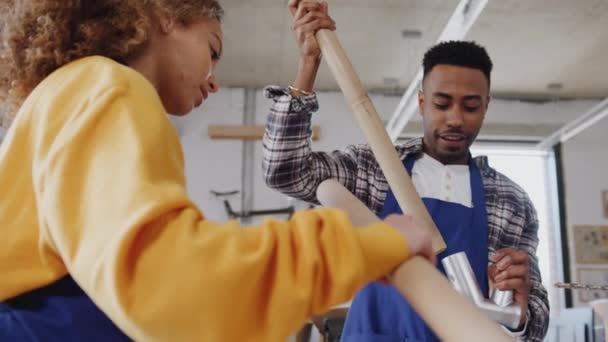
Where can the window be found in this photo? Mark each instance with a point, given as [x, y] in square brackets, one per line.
[531, 169]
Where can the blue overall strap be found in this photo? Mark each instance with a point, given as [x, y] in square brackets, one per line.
[379, 313]
[475, 246]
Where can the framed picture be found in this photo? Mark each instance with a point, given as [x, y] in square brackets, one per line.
[605, 203]
[591, 244]
[592, 276]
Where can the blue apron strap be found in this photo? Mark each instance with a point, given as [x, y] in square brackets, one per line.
[479, 256]
[379, 313]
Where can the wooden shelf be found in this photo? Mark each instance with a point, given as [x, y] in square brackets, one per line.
[240, 132]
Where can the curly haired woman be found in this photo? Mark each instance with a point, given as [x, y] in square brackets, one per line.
[100, 241]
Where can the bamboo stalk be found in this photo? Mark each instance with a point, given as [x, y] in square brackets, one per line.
[370, 123]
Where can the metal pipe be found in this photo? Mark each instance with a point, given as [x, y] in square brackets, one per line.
[500, 308]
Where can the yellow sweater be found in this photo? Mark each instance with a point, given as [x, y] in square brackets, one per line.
[92, 182]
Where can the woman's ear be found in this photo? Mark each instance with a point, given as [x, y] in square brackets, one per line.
[166, 22]
[166, 26]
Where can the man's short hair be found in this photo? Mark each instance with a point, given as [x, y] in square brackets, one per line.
[459, 53]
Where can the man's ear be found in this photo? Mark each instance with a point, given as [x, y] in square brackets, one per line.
[421, 102]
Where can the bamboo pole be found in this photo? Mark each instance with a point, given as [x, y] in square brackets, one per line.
[451, 316]
[370, 123]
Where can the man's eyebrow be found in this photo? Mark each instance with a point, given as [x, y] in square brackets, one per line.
[450, 97]
[442, 95]
[472, 97]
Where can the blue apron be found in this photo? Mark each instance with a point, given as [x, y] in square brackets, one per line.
[379, 313]
[59, 312]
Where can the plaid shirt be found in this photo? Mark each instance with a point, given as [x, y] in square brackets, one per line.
[291, 167]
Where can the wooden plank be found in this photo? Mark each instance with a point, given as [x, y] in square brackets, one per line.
[241, 132]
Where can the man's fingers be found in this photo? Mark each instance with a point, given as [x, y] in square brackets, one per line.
[305, 7]
[517, 284]
[309, 17]
[520, 257]
[293, 6]
[507, 257]
[504, 262]
[492, 271]
[313, 26]
[515, 271]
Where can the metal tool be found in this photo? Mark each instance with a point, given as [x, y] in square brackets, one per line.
[584, 287]
[500, 308]
[501, 298]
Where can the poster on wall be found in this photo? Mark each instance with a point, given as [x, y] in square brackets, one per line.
[591, 244]
[605, 203]
[592, 276]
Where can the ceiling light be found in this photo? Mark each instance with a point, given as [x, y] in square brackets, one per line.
[390, 82]
[556, 86]
[411, 34]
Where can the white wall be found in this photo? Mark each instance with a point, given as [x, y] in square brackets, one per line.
[536, 113]
[585, 165]
[213, 164]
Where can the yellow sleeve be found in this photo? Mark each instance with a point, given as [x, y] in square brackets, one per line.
[114, 208]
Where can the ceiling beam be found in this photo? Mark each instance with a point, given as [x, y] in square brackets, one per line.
[465, 14]
[532, 133]
[575, 127]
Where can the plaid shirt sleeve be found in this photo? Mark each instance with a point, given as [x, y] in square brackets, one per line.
[513, 222]
[289, 164]
[538, 304]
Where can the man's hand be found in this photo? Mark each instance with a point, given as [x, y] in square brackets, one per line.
[510, 271]
[308, 17]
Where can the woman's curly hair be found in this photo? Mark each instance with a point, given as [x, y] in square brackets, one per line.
[40, 36]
